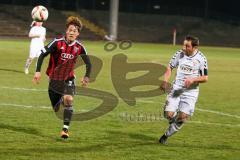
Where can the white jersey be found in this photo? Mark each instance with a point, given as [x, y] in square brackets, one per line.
[37, 43]
[188, 66]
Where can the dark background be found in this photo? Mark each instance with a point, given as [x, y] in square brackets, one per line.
[216, 22]
[207, 8]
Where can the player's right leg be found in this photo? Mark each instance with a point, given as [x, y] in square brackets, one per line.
[170, 116]
[28, 62]
[170, 113]
[33, 53]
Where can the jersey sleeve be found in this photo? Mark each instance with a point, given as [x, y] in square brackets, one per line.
[83, 51]
[52, 46]
[203, 67]
[175, 59]
[86, 60]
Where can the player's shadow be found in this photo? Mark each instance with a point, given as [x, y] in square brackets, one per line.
[11, 70]
[133, 136]
[139, 139]
[99, 144]
[26, 130]
[202, 146]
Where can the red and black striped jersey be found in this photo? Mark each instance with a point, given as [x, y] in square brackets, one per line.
[63, 57]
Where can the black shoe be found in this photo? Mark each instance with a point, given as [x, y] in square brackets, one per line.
[163, 139]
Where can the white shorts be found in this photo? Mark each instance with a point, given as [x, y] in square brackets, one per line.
[181, 101]
[35, 50]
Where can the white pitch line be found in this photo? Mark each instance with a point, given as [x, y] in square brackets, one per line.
[42, 107]
[215, 124]
[196, 122]
[15, 105]
[217, 112]
[23, 89]
[206, 110]
[25, 106]
[141, 101]
[138, 119]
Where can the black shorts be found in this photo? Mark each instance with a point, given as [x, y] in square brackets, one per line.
[57, 89]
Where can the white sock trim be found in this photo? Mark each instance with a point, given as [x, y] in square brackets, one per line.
[65, 126]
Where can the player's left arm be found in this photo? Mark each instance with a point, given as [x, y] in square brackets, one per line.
[86, 59]
[203, 74]
[190, 81]
[200, 79]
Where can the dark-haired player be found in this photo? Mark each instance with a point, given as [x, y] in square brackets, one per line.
[192, 69]
[64, 52]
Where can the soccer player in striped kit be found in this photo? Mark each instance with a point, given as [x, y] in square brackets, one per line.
[192, 69]
[64, 52]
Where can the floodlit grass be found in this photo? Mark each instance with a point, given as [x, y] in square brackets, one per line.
[31, 130]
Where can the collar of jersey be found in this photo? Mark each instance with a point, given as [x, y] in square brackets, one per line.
[68, 43]
[194, 54]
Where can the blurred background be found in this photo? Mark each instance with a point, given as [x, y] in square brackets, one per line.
[216, 23]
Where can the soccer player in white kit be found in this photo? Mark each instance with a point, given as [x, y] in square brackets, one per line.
[192, 69]
[38, 36]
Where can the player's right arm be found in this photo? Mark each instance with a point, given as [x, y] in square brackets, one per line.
[167, 75]
[33, 34]
[172, 64]
[44, 52]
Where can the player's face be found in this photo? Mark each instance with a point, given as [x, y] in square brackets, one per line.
[184, 46]
[189, 49]
[72, 33]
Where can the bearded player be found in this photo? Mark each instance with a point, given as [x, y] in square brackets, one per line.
[192, 69]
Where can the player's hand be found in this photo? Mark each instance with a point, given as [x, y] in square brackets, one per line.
[188, 82]
[36, 78]
[165, 86]
[85, 81]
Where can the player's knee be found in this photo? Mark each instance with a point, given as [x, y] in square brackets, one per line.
[182, 117]
[30, 60]
[68, 100]
[168, 115]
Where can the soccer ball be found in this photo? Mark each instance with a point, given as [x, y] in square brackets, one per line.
[39, 13]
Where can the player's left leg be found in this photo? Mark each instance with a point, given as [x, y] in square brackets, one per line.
[69, 92]
[177, 125]
[67, 114]
[174, 127]
[66, 101]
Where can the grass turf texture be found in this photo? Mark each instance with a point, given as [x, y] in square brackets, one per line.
[30, 129]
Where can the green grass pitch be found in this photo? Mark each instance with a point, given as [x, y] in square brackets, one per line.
[31, 130]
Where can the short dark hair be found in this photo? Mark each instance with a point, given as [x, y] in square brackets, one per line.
[194, 40]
